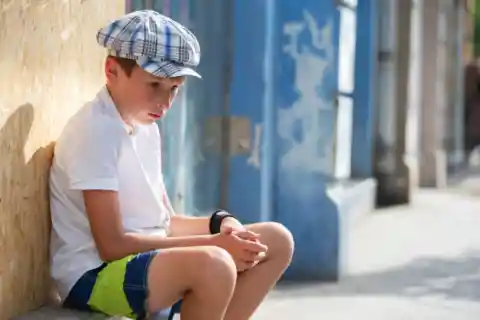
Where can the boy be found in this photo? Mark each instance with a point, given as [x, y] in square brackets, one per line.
[117, 246]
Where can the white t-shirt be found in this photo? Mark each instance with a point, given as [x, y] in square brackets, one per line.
[95, 151]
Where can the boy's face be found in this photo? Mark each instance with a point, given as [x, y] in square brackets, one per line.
[144, 97]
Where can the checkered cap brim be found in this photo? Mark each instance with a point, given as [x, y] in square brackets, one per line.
[160, 45]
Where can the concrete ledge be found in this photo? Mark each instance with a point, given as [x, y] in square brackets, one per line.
[57, 313]
[321, 226]
[355, 200]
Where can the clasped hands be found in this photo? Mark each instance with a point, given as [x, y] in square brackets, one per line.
[243, 245]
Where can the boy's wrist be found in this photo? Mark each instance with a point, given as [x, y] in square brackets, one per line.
[205, 240]
[231, 223]
[215, 240]
[217, 219]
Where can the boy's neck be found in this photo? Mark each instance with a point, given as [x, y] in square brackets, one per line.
[122, 110]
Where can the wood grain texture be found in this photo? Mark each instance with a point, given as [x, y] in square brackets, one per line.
[50, 65]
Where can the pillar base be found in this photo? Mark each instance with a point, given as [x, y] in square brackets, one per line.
[393, 188]
[433, 169]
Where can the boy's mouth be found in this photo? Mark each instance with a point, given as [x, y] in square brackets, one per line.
[155, 115]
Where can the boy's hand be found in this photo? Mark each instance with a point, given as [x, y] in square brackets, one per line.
[246, 253]
[242, 233]
[232, 225]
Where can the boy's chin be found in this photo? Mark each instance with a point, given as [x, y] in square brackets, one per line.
[149, 119]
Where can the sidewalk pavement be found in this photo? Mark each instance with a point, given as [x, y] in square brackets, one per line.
[418, 262]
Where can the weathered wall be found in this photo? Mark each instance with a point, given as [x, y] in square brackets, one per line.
[50, 65]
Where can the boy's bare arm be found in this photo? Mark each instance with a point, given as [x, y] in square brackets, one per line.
[182, 225]
[113, 242]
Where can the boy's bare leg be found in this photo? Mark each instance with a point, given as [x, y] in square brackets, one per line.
[253, 285]
[204, 276]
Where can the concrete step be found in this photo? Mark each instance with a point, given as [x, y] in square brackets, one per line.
[57, 313]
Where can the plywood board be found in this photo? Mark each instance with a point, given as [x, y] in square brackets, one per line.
[50, 65]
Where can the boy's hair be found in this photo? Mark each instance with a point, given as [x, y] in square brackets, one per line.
[127, 65]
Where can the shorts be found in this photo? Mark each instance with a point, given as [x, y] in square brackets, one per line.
[117, 288]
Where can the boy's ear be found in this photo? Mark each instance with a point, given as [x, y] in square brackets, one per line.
[113, 71]
[111, 68]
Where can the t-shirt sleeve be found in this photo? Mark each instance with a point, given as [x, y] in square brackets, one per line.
[93, 162]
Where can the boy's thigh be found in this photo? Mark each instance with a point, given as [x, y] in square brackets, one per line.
[116, 288]
[122, 287]
[178, 270]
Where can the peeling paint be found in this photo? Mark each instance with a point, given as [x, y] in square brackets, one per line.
[306, 127]
[254, 158]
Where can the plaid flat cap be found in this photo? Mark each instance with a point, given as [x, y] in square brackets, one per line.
[160, 45]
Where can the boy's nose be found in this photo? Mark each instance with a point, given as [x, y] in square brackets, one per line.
[165, 101]
[163, 105]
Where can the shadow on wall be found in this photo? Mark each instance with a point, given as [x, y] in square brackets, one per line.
[24, 218]
[456, 278]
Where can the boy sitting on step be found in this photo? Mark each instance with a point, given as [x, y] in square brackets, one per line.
[117, 246]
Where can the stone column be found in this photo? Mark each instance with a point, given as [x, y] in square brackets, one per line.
[404, 25]
[414, 95]
[394, 43]
[456, 146]
[432, 171]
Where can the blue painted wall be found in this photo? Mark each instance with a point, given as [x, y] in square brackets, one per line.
[305, 127]
[285, 80]
[275, 63]
[364, 93]
[193, 175]
[250, 189]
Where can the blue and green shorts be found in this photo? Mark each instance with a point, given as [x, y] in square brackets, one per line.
[117, 288]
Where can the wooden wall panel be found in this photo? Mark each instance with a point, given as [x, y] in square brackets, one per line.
[50, 65]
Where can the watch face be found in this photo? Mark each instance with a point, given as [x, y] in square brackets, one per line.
[220, 212]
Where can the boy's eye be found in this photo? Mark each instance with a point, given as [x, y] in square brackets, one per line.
[154, 85]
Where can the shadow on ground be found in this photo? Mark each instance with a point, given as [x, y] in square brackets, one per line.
[456, 279]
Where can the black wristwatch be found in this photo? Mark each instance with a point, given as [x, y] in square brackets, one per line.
[216, 220]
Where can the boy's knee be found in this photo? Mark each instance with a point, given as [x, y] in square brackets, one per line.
[216, 264]
[280, 240]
